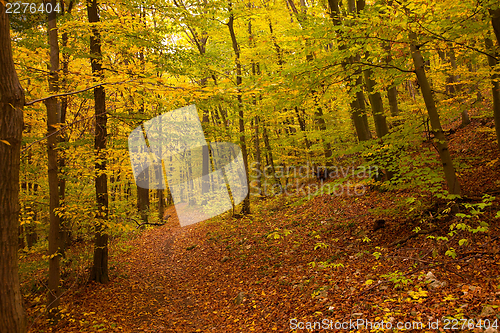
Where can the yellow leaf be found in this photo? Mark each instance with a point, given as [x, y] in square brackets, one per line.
[6, 142]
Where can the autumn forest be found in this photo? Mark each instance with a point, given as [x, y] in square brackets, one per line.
[238, 166]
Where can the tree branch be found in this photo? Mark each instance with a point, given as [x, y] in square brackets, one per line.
[75, 92]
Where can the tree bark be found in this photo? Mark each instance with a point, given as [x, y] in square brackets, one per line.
[12, 315]
[392, 96]
[440, 139]
[357, 104]
[495, 88]
[143, 203]
[245, 209]
[64, 224]
[258, 159]
[302, 126]
[269, 154]
[358, 110]
[53, 113]
[256, 135]
[376, 104]
[495, 22]
[99, 271]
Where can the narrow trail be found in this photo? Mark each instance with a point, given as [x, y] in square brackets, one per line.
[322, 259]
[164, 302]
[147, 295]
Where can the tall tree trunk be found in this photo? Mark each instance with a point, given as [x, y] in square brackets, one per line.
[99, 271]
[12, 316]
[143, 202]
[161, 203]
[441, 143]
[495, 89]
[143, 199]
[258, 158]
[321, 123]
[392, 92]
[53, 114]
[64, 224]
[245, 209]
[357, 104]
[392, 96]
[358, 109]
[256, 134]
[269, 153]
[302, 126]
[376, 104]
[495, 22]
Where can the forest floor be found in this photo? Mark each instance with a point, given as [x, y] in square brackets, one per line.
[294, 262]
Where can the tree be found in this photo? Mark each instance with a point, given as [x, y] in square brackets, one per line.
[100, 266]
[440, 139]
[374, 96]
[12, 316]
[53, 118]
[357, 104]
[245, 209]
[492, 61]
[495, 86]
[495, 22]
[64, 223]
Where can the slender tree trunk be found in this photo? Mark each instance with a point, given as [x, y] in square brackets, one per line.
[12, 315]
[64, 224]
[161, 203]
[99, 271]
[392, 96]
[269, 153]
[245, 209]
[378, 115]
[302, 126]
[256, 134]
[441, 143]
[53, 114]
[258, 159]
[321, 123]
[205, 170]
[392, 92]
[358, 110]
[376, 104]
[357, 103]
[495, 22]
[495, 89]
[143, 203]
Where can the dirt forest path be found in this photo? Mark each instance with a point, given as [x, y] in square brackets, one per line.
[302, 261]
[153, 293]
[167, 280]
